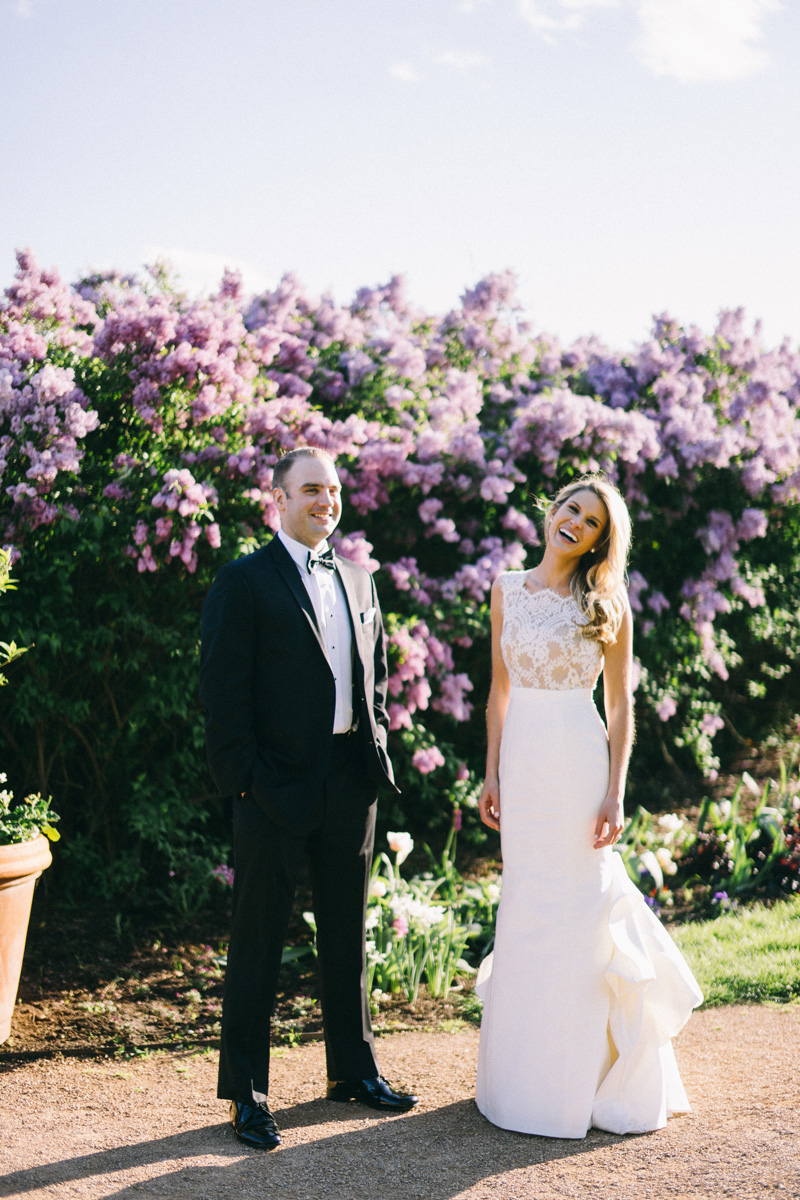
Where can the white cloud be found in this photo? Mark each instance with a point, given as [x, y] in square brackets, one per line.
[403, 71]
[200, 272]
[696, 40]
[556, 16]
[460, 60]
[688, 40]
[26, 8]
[541, 22]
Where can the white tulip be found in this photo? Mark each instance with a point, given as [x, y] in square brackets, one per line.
[750, 783]
[653, 867]
[401, 844]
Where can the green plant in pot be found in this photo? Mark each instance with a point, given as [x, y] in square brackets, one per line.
[27, 820]
[26, 830]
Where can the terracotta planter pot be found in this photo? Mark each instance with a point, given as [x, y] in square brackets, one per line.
[20, 867]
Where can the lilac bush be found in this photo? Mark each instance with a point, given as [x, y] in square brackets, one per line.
[139, 429]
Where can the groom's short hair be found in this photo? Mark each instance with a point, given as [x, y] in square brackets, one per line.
[284, 464]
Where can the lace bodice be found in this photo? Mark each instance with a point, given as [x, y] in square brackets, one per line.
[541, 642]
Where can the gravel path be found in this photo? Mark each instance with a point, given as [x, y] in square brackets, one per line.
[152, 1128]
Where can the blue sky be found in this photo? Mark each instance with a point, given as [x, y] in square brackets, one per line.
[622, 156]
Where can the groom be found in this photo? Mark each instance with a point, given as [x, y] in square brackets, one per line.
[293, 682]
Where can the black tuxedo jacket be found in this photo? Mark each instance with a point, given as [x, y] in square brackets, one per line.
[267, 686]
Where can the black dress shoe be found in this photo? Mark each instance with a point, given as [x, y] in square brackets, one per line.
[375, 1093]
[255, 1125]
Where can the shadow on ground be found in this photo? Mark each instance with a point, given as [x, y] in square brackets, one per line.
[436, 1155]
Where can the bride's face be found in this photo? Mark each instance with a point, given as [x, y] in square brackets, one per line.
[578, 524]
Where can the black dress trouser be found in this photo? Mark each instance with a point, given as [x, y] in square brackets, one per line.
[338, 843]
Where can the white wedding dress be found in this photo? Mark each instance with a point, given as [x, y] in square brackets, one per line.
[584, 989]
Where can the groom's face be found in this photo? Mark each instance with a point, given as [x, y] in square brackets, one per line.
[311, 502]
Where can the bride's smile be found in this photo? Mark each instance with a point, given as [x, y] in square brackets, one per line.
[579, 523]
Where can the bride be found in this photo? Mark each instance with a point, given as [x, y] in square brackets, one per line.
[585, 989]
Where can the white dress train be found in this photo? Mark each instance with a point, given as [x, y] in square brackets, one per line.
[584, 990]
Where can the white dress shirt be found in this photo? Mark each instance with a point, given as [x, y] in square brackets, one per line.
[326, 593]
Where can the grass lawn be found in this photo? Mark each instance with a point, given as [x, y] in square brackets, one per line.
[748, 956]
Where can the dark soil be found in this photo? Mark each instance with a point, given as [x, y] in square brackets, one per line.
[90, 989]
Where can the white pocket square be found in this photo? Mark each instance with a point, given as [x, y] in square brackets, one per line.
[368, 617]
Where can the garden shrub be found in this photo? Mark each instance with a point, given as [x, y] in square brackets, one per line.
[138, 432]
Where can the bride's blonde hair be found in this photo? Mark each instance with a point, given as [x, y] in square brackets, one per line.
[598, 581]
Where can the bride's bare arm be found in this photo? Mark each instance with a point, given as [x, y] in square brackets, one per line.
[618, 696]
[489, 800]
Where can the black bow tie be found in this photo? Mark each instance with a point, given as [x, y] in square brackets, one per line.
[326, 559]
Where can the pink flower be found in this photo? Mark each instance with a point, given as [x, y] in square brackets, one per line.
[711, 723]
[751, 524]
[399, 716]
[356, 547]
[451, 698]
[429, 510]
[636, 585]
[657, 602]
[427, 760]
[494, 488]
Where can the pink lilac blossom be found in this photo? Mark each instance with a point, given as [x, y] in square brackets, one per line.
[44, 418]
[711, 724]
[658, 603]
[427, 760]
[636, 585]
[452, 689]
[356, 547]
